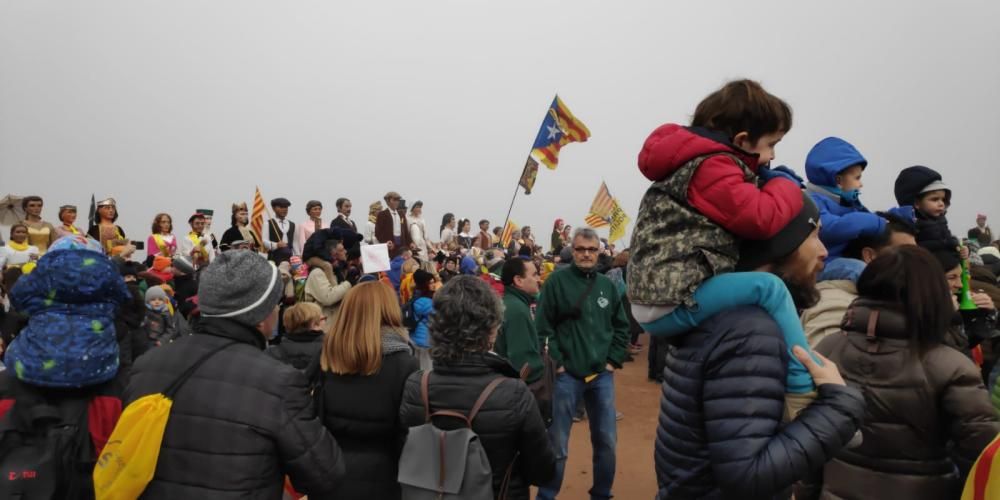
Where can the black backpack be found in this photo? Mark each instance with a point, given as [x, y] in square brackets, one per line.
[410, 315]
[45, 448]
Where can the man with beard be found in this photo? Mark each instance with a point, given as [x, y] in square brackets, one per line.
[720, 431]
[838, 283]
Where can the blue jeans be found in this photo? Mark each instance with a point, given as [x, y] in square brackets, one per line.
[599, 397]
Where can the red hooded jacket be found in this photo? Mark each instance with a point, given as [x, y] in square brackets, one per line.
[718, 189]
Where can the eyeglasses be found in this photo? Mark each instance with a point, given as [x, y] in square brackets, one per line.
[586, 249]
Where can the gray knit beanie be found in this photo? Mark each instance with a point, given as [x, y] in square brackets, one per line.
[156, 292]
[239, 285]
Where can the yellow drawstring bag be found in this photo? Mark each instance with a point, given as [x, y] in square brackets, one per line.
[127, 463]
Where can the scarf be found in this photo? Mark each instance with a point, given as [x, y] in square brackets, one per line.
[394, 341]
[161, 244]
[71, 229]
[20, 247]
[850, 198]
[161, 309]
[196, 239]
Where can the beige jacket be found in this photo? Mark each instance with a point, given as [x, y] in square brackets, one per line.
[328, 295]
[825, 317]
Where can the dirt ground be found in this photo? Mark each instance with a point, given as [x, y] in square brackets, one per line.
[639, 400]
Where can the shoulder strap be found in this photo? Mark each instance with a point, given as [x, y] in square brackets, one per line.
[172, 389]
[575, 311]
[424, 380]
[483, 396]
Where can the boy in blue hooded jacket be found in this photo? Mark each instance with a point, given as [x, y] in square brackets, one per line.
[834, 168]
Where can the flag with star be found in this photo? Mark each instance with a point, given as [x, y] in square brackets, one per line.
[559, 128]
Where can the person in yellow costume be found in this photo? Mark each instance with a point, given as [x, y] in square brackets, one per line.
[110, 235]
[67, 219]
[41, 234]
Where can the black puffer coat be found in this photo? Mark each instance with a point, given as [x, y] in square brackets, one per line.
[299, 349]
[720, 433]
[362, 413]
[508, 424]
[239, 425]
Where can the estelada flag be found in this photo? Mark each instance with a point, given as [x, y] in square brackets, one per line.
[981, 485]
[257, 215]
[559, 128]
[528, 175]
[508, 233]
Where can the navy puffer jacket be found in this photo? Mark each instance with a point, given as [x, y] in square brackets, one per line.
[720, 433]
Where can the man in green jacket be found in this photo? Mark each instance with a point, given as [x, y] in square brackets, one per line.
[518, 340]
[581, 315]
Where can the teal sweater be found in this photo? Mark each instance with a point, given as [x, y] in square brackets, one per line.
[598, 337]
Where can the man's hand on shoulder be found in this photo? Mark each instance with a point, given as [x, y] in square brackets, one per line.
[825, 374]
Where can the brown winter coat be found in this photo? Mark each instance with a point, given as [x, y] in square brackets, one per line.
[924, 415]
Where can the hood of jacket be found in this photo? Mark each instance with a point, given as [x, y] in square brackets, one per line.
[468, 266]
[227, 328]
[71, 300]
[828, 158]
[842, 269]
[876, 318]
[476, 363]
[671, 146]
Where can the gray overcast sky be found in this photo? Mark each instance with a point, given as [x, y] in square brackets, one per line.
[172, 106]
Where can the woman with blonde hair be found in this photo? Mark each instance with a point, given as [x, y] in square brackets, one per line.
[366, 359]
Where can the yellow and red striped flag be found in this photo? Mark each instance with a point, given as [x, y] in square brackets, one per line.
[257, 215]
[508, 233]
[601, 209]
[596, 221]
[979, 485]
[603, 203]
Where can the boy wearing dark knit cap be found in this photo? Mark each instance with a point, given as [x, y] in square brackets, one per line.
[237, 389]
[924, 198]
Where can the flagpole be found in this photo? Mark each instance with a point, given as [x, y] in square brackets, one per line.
[517, 188]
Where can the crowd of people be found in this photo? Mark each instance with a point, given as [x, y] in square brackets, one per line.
[803, 342]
